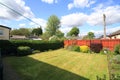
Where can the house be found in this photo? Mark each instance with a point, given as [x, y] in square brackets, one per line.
[115, 35]
[4, 32]
[18, 37]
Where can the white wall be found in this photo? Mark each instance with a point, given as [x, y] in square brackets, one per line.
[5, 35]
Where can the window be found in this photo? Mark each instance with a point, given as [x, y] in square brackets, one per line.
[1, 32]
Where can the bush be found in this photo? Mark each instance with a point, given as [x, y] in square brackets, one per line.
[23, 50]
[76, 48]
[73, 48]
[84, 49]
[105, 51]
[117, 49]
[96, 47]
[116, 59]
[36, 51]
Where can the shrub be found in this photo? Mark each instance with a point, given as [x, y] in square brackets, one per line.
[96, 47]
[23, 50]
[84, 49]
[36, 51]
[105, 51]
[117, 49]
[116, 59]
[73, 48]
[76, 48]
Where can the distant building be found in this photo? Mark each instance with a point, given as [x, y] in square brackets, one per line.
[115, 35]
[18, 37]
[4, 32]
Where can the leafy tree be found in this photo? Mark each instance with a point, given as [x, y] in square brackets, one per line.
[73, 32]
[53, 25]
[21, 31]
[37, 31]
[90, 35]
[59, 34]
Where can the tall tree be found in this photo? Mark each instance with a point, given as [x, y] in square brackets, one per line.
[37, 31]
[53, 25]
[90, 35]
[73, 32]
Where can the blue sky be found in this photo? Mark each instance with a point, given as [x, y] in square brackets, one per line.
[85, 14]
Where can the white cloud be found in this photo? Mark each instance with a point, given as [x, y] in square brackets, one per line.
[22, 25]
[50, 1]
[75, 19]
[95, 18]
[112, 15]
[65, 29]
[80, 3]
[17, 5]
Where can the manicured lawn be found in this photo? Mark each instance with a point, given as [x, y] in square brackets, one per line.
[60, 65]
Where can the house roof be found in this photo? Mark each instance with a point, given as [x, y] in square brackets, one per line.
[115, 33]
[5, 27]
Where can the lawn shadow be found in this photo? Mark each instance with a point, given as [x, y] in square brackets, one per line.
[38, 70]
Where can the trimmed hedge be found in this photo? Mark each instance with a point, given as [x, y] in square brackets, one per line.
[9, 47]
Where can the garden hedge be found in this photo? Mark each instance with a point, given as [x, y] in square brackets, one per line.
[9, 47]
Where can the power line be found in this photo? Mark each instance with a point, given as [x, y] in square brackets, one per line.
[18, 13]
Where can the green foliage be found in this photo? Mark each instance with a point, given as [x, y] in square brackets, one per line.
[84, 49]
[23, 50]
[73, 48]
[117, 49]
[37, 31]
[36, 51]
[45, 36]
[21, 31]
[91, 35]
[10, 47]
[53, 25]
[59, 34]
[54, 38]
[116, 59]
[105, 51]
[73, 32]
[115, 67]
[76, 48]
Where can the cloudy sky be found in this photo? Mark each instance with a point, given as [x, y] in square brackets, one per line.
[87, 15]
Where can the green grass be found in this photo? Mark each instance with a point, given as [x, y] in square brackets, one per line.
[60, 65]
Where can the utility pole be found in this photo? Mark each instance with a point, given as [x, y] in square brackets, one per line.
[104, 23]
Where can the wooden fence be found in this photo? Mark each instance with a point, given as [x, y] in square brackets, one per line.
[106, 43]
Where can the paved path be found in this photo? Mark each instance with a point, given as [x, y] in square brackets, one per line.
[9, 73]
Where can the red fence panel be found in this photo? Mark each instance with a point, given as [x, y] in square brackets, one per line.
[106, 43]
